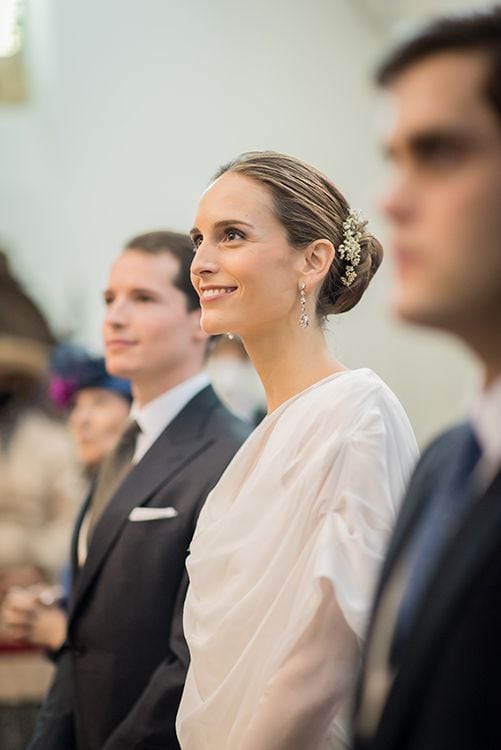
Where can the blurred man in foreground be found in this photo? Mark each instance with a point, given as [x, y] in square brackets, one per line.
[431, 678]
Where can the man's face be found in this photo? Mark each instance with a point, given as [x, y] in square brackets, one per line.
[149, 333]
[444, 204]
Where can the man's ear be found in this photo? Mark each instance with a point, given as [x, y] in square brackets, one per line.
[318, 258]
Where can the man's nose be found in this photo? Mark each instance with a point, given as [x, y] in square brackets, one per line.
[397, 200]
[116, 313]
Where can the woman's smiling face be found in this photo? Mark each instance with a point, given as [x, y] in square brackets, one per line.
[244, 270]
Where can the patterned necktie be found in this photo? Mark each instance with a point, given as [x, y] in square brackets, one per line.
[111, 474]
[437, 525]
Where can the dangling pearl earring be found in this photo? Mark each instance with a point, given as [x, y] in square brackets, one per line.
[304, 320]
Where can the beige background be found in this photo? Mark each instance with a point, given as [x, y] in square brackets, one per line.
[134, 103]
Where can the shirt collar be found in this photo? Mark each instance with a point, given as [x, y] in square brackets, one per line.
[154, 417]
[486, 419]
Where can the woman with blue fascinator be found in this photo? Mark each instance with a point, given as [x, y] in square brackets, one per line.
[98, 406]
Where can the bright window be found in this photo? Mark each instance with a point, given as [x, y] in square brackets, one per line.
[13, 88]
[10, 30]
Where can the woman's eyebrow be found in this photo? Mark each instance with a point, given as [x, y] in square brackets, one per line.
[224, 223]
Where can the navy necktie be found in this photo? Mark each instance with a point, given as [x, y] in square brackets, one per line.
[437, 525]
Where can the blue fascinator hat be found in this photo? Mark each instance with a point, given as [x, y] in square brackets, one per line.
[73, 369]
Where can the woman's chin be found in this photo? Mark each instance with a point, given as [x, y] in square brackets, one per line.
[211, 326]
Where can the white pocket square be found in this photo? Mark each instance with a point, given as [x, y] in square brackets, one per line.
[151, 514]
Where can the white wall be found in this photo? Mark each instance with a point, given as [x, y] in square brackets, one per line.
[134, 103]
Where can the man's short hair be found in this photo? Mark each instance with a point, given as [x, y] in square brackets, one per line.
[470, 32]
[181, 247]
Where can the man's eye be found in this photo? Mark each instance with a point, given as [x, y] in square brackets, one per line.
[107, 299]
[441, 155]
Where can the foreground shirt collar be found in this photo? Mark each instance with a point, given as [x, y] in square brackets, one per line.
[486, 419]
[154, 417]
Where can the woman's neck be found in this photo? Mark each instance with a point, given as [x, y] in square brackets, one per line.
[288, 361]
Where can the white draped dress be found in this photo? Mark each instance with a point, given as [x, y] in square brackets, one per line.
[283, 565]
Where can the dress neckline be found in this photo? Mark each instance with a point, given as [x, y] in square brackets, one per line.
[322, 381]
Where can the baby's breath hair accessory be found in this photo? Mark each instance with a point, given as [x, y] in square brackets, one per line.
[349, 249]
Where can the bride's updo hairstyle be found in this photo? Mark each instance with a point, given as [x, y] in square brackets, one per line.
[311, 208]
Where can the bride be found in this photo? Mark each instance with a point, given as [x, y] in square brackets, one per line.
[284, 558]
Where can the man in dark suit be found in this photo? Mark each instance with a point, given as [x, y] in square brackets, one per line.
[121, 671]
[431, 674]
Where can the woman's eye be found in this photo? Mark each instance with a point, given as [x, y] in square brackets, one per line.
[197, 241]
[232, 234]
[107, 299]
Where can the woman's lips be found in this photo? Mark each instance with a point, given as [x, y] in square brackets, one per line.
[208, 294]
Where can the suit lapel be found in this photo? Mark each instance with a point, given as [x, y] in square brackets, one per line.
[424, 483]
[461, 565]
[372, 691]
[76, 533]
[183, 439]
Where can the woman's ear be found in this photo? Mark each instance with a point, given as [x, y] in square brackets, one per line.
[318, 258]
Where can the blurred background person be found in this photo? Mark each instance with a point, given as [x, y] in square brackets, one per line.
[98, 405]
[39, 487]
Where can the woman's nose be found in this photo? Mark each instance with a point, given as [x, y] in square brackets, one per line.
[78, 419]
[205, 260]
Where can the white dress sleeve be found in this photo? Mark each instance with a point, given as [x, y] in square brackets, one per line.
[307, 691]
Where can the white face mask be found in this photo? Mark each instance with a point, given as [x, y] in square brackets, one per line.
[238, 385]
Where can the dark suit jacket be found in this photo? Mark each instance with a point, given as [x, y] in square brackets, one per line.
[446, 694]
[120, 675]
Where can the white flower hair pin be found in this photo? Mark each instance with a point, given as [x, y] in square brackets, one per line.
[349, 249]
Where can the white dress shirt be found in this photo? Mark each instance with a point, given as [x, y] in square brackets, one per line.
[154, 417]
